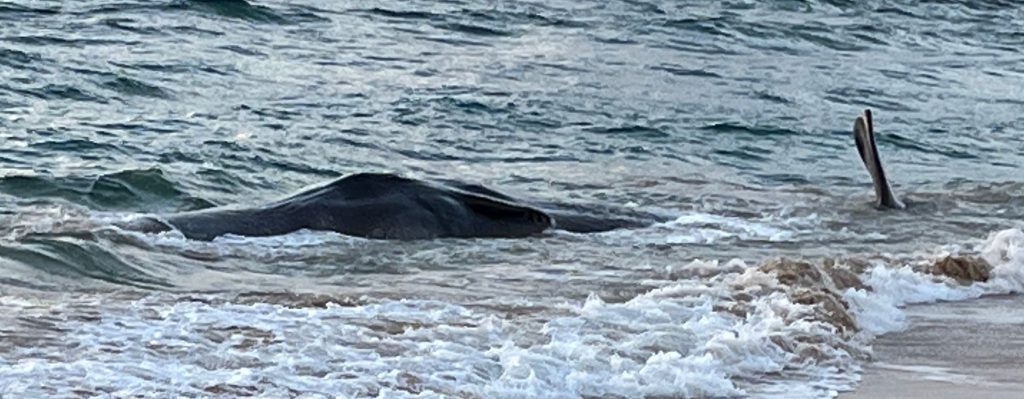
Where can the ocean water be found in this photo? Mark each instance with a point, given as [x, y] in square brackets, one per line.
[731, 120]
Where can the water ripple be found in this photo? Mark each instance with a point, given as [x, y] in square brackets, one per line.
[731, 119]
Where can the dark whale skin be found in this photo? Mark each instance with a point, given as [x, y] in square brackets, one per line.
[383, 206]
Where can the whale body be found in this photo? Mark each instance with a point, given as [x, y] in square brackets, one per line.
[387, 206]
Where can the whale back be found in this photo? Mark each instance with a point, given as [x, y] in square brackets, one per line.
[369, 205]
[393, 207]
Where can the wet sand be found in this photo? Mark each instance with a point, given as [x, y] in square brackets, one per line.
[971, 349]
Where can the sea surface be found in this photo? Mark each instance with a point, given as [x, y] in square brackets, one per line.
[771, 277]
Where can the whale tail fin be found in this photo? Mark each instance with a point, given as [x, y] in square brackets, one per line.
[864, 137]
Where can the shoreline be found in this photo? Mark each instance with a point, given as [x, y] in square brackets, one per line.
[972, 348]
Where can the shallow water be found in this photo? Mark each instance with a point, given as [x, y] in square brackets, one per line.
[950, 350]
[730, 120]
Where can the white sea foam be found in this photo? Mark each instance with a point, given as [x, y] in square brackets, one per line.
[667, 342]
[676, 340]
[1005, 251]
[704, 228]
[892, 287]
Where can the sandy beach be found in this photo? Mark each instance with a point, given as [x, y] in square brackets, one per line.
[970, 349]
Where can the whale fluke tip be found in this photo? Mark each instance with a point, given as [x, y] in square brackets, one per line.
[864, 138]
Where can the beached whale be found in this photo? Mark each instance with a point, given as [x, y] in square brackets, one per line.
[386, 206]
[864, 138]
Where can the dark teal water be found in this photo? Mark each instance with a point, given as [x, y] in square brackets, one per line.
[732, 119]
